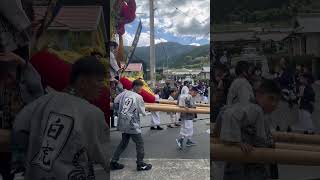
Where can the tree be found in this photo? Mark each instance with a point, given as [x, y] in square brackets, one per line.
[187, 58]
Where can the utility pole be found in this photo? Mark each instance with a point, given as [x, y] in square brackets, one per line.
[152, 47]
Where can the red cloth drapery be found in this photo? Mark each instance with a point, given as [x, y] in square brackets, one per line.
[147, 97]
[127, 14]
[56, 73]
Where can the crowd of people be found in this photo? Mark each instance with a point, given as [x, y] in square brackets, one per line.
[129, 105]
[244, 105]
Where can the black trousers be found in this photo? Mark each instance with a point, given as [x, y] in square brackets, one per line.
[137, 138]
[5, 160]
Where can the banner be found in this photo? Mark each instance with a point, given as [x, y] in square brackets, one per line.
[134, 43]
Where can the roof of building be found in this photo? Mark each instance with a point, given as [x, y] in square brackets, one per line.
[73, 18]
[233, 36]
[134, 67]
[308, 23]
[275, 36]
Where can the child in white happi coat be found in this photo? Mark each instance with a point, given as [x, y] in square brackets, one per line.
[173, 116]
[186, 131]
[155, 116]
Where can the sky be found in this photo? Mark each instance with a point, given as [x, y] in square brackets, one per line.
[187, 25]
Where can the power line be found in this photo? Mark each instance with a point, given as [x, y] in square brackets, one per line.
[182, 12]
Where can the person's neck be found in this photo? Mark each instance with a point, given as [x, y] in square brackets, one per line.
[134, 90]
[72, 90]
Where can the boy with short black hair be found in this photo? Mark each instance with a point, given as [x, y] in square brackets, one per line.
[240, 90]
[61, 134]
[130, 105]
[247, 126]
[186, 131]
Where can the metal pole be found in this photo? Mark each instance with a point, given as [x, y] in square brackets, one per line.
[152, 46]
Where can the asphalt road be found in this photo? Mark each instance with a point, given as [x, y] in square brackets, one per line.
[161, 151]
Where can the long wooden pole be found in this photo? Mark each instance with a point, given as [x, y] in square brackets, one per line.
[295, 138]
[165, 101]
[153, 107]
[302, 147]
[222, 152]
[171, 105]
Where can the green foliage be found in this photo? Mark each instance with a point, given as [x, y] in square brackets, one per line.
[200, 57]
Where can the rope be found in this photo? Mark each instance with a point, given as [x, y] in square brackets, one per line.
[142, 127]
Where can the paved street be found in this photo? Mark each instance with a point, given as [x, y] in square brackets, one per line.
[162, 152]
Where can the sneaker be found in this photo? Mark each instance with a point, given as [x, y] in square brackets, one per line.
[144, 167]
[177, 125]
[116, 166]
[159, 128]
[153, 128]
[170, 126]
[180, 143]
[190, 143]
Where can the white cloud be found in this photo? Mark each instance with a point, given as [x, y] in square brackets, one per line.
[194, 44]
[191, 20]
[144, 39]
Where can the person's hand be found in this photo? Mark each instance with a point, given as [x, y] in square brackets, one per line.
[10, 56]
[246, 148]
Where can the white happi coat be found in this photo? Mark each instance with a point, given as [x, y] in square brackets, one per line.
[66, 134]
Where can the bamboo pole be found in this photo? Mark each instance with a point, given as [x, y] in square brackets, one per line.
[171, 105]
[165, 101]
[153, 107]
[222, 152]
[302, 147]
[295, 138]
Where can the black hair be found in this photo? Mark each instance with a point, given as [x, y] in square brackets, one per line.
[308, 77]
[222, 67]
[87, 66]
[242, 67]
[173, 90]
[94, 53]
[194, 89]
[268, 86]
[136, 83]
[113, 44]
[157, 91]
[185, 83]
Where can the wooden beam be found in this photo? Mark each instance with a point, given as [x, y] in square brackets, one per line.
[165, 101]
[171, 105]
[295, 138]
[302, 147]
[228, 153]
[153, 107]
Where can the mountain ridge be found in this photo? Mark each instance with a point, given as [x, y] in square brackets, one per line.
[171, 54]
